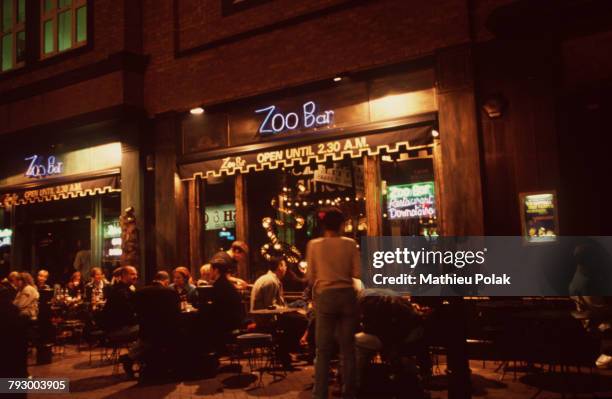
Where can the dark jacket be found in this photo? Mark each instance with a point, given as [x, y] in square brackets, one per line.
[158, 309]
[13, 362]
[119, 310]
[225, 313]
[106, 288]
[10, 290]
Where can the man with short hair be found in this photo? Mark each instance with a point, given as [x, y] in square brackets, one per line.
[239, 254]
[224, 314]
[11, 283]
[158, 309]
[41, 280]
[267, 291]
[119, 311]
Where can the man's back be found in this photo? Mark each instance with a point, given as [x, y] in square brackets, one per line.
[158, 310]
[119, 309]
[226, 308]
[267, 291]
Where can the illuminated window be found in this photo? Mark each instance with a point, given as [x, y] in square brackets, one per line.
[12, 34]
[63, 25]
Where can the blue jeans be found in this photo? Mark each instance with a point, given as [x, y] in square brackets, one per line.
[336, 315]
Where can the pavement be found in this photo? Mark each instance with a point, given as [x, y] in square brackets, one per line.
[101, 380]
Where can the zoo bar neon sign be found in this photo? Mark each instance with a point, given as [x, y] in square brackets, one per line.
[276, 122]
[38, 168]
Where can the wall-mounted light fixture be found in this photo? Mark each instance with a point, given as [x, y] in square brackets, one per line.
[494, 105]
[196, 111]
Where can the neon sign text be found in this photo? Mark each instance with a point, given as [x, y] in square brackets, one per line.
[38, 168]
[276, 122]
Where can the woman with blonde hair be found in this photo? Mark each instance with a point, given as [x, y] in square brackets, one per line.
[27, 296]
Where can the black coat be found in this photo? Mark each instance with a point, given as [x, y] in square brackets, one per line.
[158, 309]
[13, 361]
[119, 310]
[106, 288]
[223, 315]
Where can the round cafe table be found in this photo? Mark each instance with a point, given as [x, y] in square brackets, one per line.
[273, 312]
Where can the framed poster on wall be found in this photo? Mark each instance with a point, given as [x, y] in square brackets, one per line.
[539, 220]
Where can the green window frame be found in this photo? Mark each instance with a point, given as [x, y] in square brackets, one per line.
[63, 26]
[12, 34]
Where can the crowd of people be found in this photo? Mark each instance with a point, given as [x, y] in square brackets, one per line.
[151, 317]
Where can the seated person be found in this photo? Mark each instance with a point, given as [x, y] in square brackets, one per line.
[267, 293]
[119, 314]
[588, 285]
[26, 299]
[10, 283]
[15, 350]
[205, 276]
[267, 290]
[182, 285]
[75, 285]
[225, 312]
[98, 289]
[41, 280]
[393, 327]
[158, 311]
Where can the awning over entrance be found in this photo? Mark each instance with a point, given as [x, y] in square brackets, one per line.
[61, 191]
[306, 153]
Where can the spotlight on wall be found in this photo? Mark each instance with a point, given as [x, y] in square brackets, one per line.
[196, 111]
[337, 78]
[435, 133]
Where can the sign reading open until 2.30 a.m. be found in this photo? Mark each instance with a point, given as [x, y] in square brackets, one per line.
[411, 201]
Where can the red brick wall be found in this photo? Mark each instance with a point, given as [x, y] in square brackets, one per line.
[374, 33]
[108, 39]
[64, 103]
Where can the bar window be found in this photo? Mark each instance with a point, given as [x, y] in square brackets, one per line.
[12, 34]
[63, 25]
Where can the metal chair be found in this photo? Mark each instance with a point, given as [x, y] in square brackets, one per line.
[261, 353]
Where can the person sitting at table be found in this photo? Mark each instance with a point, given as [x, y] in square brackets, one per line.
[182, 285]
[267, 293]
[158, 310]
[205, 276]
[14, 362]
[97, 289]
[75, 285]
[267, 290]
[116, 275]
[119, 314]
[27, 296]
[10, 283]
[41, 280]
[225, 312]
